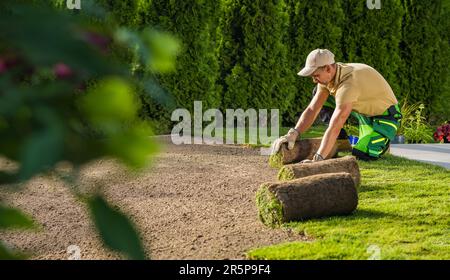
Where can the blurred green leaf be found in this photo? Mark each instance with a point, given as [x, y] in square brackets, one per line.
[14, 218]
[7, 254]
[134, 146]
[10, 99]
[110, 103]
[79, 149]
[129, 38]
[48, 36]
[49, 58]
[158, 94]
[163, 50]
[44, 148]
[134, 43]
[157, 50]
[7, 178]
[115, 229]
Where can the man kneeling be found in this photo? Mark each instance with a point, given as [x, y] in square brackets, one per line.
[350, 89]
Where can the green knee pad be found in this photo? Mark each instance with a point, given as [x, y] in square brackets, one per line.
[373, 145]
[373, 141]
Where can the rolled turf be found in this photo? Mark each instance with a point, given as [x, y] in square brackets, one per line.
[303, 149]
[346, 164]
[305, 198]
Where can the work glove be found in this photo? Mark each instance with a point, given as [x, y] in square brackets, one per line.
[316, 157]
[289, 138]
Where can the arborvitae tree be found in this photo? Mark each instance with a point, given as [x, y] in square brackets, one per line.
[254, 68]
[425, 52]
[313, 24]
[128, 12]
[372, 36]
[194, 23]
[261, 45]
[440, 109]
[231, 41]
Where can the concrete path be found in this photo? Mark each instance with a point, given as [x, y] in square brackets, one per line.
[438, 154]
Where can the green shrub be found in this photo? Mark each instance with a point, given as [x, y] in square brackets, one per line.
[408, 112]
[415, 128]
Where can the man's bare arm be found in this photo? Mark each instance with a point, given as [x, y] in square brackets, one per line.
[310, 114]
[340, 115]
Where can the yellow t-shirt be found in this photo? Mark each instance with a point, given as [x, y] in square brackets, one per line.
[363, 86]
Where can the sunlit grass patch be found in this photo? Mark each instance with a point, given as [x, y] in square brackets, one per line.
[403, 213]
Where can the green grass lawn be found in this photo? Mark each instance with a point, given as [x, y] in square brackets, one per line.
[403, 213]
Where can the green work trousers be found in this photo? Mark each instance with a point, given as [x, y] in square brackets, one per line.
[375, 133]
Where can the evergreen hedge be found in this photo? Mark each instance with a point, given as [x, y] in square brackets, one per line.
[255, 70]
[313, 24]
[246, 54]
[426, 55]
[373, 36]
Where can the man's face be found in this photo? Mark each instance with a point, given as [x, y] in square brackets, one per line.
[323, 75]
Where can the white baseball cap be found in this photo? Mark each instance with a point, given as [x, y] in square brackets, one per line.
[317, 58]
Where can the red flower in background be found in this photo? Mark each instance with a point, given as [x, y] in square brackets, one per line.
[62, 71]
[442, 133]
[99, 40]
[3, 66]
[7, 61]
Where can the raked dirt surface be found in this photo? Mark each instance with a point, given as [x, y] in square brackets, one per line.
[194, 202]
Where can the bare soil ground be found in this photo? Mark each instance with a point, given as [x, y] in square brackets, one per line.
[194, 202]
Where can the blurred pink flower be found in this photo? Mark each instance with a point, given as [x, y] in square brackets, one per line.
[62, 71]
[99, 40]
[3, 66]
[8, 62]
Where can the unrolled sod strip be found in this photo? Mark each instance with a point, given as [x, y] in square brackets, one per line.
[299, 170]
[310, 197]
